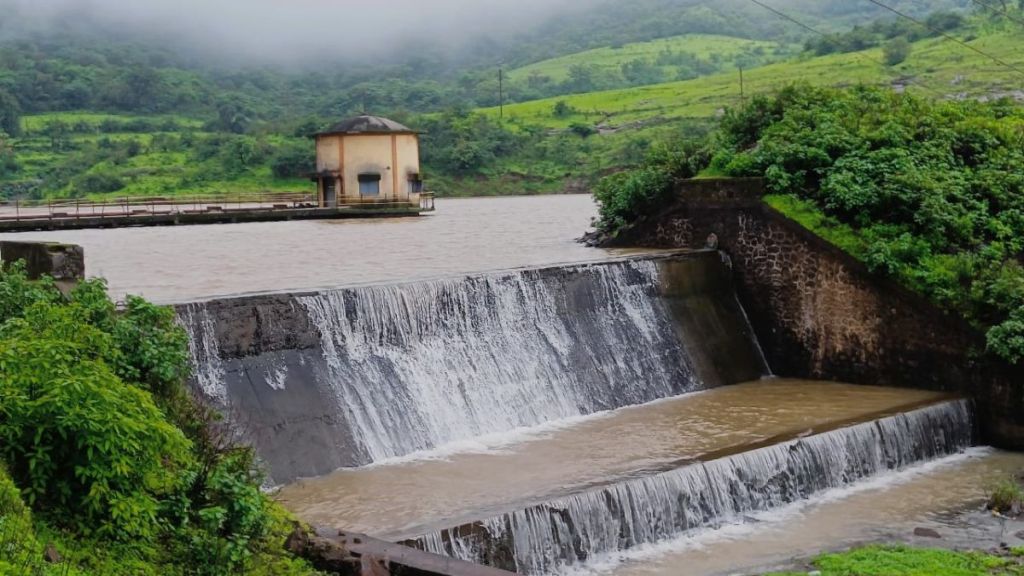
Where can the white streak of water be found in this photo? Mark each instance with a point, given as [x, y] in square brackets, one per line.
[657, 508]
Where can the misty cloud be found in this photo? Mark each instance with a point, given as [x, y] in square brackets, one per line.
[283, 30]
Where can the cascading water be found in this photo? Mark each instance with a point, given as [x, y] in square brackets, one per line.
[369, 374]
[655, 508]
[417, 366]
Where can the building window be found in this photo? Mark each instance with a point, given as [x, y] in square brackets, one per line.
[415, 184]
[369, 184]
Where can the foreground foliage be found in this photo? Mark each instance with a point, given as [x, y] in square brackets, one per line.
[906, 561]
[104, 445]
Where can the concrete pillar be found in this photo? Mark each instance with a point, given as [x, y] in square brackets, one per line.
[65, 263]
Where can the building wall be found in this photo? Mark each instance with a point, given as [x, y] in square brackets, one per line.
[819, 313]
[395, 157]
[327, 157]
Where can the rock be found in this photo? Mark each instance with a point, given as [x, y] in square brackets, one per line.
[926, 533]
[64, 262]
[51, 555]
[297, 541]
[1020, 535]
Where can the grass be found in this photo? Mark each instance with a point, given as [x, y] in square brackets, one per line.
[811, 217]
[944, 68]
[1007, 497]
[906, 561]
[704, 46]
[150, 173]
[38, 122]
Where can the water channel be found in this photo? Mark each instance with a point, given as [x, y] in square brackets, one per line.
[548, 422]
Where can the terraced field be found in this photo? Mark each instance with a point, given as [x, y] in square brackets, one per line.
[937, 66]
[723, 50]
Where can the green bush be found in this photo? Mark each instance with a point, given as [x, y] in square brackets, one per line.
[933, 190]
[896, 51]
[76, 437]
[1007, 497]
[626, 196]
[293, 161]
[98, 183]
[105, 444]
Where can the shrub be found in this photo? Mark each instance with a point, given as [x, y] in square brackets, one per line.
[104, 441]
[896, 51]
[625, 197]
[292, 162]
[562, 109]
[582, 130]
[99, 183]
[1007, 497]
[75, 435]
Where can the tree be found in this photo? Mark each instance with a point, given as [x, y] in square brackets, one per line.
[563, 109]
[293, 161]
[10, 114]
[897, 51]
[233, 116]
[8, 161]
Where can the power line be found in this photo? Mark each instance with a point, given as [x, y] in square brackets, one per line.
[1001, 10]
[950, 37]
[830, 39]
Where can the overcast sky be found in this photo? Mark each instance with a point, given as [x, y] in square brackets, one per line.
[278, 29]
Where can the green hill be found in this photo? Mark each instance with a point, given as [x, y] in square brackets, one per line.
[148, 124]
[81, 154]
[937, 67]
[688, 55]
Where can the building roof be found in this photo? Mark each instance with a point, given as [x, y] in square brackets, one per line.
[367, 125]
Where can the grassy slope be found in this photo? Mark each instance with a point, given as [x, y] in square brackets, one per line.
[904, 561]
[151, 173]
[704, 46]
[649, 113]
[934, 63]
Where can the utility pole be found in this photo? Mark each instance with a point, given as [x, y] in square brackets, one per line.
[501, 94]
[743, 94]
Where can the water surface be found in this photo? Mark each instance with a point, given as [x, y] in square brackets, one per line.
[945, 495]
[185, 263]
[475, 480]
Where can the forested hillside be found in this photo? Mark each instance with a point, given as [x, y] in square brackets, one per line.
[90, 112]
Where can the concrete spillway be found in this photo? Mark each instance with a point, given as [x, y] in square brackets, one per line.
[350, 377]
[646, 510]
[536, 419]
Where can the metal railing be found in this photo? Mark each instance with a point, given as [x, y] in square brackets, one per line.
[427, 202]
[128, 207]
[18, 210]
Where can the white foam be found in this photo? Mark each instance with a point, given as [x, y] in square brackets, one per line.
[742, 528]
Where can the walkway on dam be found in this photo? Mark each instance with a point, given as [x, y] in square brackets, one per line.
[135, 212]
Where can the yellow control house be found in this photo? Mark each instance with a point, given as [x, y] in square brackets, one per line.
[368, 160]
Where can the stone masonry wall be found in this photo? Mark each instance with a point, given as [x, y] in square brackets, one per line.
[819, 313]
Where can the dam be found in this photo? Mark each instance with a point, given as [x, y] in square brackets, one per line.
[556, 409]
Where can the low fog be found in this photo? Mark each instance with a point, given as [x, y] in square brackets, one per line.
[285, 30]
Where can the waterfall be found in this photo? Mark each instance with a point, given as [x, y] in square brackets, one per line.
[349, 377]
[651, 509]
[420, 365]
[204, 350]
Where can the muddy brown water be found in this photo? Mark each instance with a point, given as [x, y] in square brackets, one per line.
[187, 263]
[475, 480]
[946, 496]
